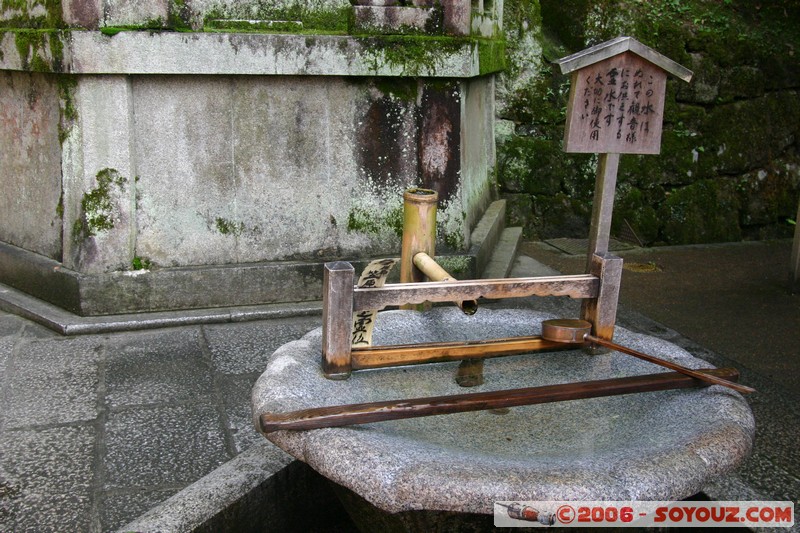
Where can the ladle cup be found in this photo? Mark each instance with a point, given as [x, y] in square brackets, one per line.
[575, 331]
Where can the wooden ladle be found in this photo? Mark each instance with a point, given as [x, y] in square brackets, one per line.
[577, 331]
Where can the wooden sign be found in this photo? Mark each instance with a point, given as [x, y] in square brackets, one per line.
[616, 103]
[616, 106]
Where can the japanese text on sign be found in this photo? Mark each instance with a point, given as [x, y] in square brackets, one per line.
[616, 106]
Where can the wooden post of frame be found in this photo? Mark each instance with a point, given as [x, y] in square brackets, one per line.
[337, 319]
[602, 310]
[616, 106]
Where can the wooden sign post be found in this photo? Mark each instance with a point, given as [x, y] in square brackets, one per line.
[616, 106]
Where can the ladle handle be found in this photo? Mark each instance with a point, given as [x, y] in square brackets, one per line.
[363, 413]
[668, 364]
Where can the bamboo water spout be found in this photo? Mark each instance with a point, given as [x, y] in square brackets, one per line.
[435, 272]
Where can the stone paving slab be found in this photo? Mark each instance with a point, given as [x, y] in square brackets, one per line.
[150, 367]
[245, 347]
[163, 446]
[48, 475]
[52, 382]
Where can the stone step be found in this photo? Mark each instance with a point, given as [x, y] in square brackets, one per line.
[487, 233]
[504, 254]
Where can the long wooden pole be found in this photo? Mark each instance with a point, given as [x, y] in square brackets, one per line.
[603, 206]
[363, 413]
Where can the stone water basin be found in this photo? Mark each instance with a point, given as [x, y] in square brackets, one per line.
[648, 446]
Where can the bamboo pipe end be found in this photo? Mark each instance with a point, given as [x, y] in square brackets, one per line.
[420, 195]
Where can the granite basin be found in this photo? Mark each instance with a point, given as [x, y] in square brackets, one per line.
[647, 446]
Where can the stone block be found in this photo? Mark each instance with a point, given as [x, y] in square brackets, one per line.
[186, 164]
[706, 211]
[119, 507]
[664, 445]
[137, 12]
[156, 446]
[156, 367]
[394, 19]
[183, 136]
[293, 147]
[235, 392]
[30, 163]
[457, 17]
[479, 155]
[83, 13]
[99, 177]
[50, 386]
[244, 348]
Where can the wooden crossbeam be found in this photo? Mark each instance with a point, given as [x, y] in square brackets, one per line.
[437, 352]
[577, 286]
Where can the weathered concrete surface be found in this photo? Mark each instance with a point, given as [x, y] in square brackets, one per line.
[95, 430]
[259, 155]
[99, 175]
[168, 172]
[30, 162]
[143, 52]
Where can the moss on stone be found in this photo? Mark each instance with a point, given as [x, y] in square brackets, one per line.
[362, 221]
[532, 165]
[229, 227]
[67, 110]
[39, 14]
[97, 205]
[400, 88]
[312, 19]
[394, 220]
[410, 55]
[632, 205]
[141, 263]
[453, 239]
[560, 215]
[737, 123]
[40, 50]
[703, 212]
[455, 265]
[28, 44]
[60, 206]
[491, 56]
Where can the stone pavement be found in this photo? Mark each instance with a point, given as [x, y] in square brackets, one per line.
[96, 429]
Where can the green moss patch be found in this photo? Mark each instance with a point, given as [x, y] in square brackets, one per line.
[97, 205]
[229, 227]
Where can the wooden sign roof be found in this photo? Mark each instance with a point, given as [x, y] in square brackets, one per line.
[618, 46]
[617, 97]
